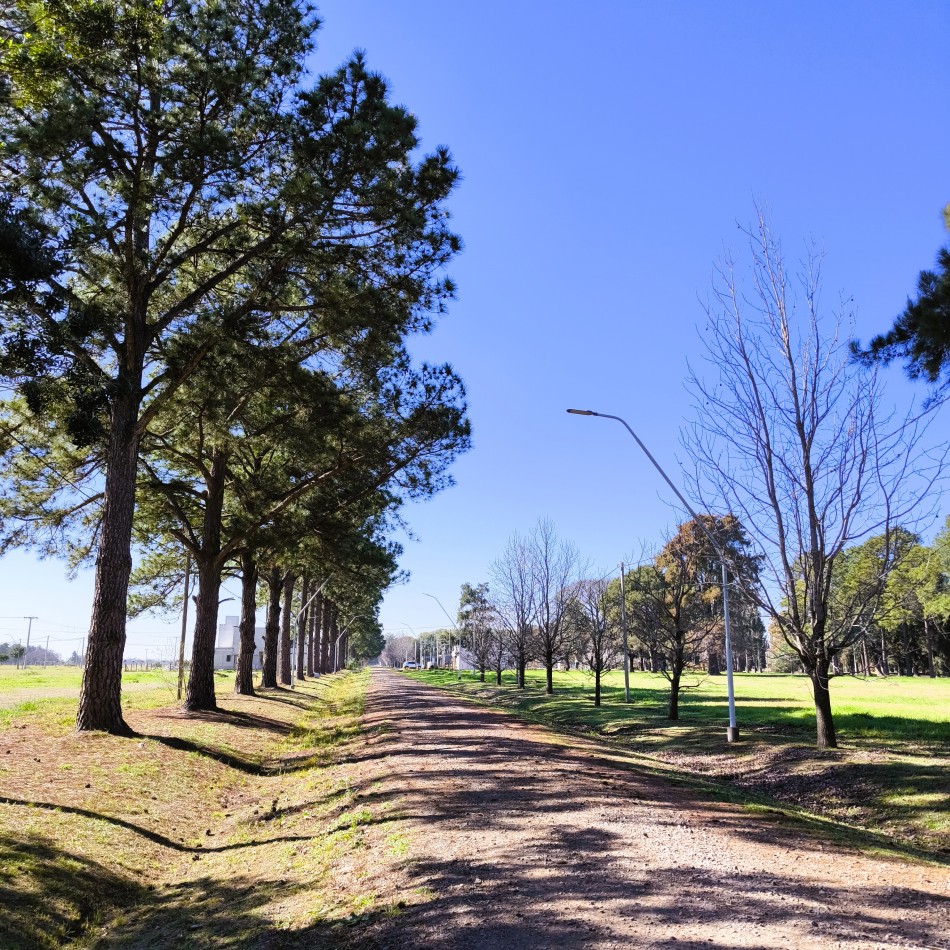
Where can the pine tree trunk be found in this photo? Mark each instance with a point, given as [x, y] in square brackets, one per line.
[826, 737]
[200, 693]
[302, 621]
[100, 697]
[313, 622]
[244, 676]
[325, 622]
[275, 586]
[285, 671]
[334, 638]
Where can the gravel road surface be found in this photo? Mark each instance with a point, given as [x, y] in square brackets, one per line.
[516, 837]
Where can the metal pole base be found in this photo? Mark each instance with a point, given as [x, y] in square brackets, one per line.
[732, 733]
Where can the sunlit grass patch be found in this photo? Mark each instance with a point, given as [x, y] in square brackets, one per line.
[240, 805]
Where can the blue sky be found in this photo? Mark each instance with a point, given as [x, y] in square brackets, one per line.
[608, 151]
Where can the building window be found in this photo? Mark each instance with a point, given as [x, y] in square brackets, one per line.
[227, 659]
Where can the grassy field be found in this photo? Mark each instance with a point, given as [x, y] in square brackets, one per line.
[70, 677]
[52, 692]
[890, 773]
[202, 830]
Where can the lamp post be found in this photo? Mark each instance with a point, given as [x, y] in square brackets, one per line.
[339, 639]
[732, 733]
[623, 630]
[451, 621]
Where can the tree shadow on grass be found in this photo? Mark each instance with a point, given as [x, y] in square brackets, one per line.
[230, 717]
[49, 895]
[207, 912]
[153, 836]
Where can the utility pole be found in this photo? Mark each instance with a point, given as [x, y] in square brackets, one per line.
[623, 630]
[184, 628]
[29, 627]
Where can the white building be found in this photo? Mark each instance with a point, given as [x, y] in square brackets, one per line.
[227, 645]
[462, 659]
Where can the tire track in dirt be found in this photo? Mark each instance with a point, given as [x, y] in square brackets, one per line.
[521, 838]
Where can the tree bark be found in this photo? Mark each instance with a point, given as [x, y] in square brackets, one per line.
[302, 621]
[597, 687]
[325, 622]
[549, 670]
[676, 674]
[275, 586]
[100, 696]
[822, 695]
[313, 625]
[333, 638]
[244, 675]
[285, 671]
[200, 693]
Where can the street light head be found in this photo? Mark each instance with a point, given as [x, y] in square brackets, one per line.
[582, 412]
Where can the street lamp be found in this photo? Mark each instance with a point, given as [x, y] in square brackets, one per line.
[451, 621]
[340, 635]
[732, 733]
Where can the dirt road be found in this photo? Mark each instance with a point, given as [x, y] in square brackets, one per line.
[509, 836]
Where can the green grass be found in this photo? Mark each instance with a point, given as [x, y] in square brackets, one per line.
[65, 677]
[896, 710]
[889, 774]
[164, 841]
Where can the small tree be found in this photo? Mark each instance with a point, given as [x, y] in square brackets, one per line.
[554, 566]
[17, 651]
[593, 637]
[513, 602]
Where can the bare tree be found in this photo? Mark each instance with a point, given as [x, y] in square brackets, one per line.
[398, 649]
[513, 600]
[594, 638]
[555, 565]
[794, 439]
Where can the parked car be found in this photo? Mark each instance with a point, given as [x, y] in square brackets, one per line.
[410, 665]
